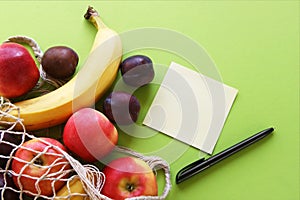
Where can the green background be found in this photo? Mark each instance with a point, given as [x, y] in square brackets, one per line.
[255, 45]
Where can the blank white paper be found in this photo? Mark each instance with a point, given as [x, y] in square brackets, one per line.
[190, 107]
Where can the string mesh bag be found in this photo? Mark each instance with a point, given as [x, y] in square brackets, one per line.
[63, 176]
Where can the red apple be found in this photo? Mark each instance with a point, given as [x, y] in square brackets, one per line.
[31, 170]
[90, 135]
[128, 177]
[18, 71]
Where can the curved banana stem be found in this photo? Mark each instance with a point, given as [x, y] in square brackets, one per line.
[91, 82]
[93, 16]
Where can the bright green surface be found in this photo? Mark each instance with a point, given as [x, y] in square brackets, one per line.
[256, 48]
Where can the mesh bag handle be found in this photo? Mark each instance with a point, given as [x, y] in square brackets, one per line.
[38, 53]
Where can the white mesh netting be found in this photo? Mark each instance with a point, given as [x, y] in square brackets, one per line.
[62, 170]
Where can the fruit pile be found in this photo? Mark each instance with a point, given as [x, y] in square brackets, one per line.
[49, 168]
[20, 76]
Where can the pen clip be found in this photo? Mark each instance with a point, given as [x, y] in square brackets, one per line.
[186, 168]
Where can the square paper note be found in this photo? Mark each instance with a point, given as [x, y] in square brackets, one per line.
[190, 107]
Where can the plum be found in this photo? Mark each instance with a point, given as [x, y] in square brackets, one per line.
[60, 62]
[5, 148]
[8, 193]
[121, 108]
[137, 70]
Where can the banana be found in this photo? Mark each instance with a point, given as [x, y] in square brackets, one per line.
[90, 83]
[75, 186]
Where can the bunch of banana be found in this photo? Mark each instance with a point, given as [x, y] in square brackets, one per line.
[84, 89]
[74, 186]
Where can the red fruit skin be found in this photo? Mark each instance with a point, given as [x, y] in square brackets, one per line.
[36, 171]
[90, 135]
[18, 71]
[122, 173]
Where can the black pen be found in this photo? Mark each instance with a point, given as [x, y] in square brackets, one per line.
[202, 164]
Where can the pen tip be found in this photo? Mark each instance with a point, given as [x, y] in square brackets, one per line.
[178, 178]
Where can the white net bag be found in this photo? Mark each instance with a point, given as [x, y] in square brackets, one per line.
[40, 168]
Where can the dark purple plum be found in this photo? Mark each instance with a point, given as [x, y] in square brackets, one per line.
[6, 148]
[137, 70]
[8, 193]
[121, 108]
[60, 62]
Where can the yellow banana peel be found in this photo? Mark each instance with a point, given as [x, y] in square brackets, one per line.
[91, 82]
[74, 190]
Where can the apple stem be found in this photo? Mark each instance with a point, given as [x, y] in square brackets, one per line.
[38, 161]
[154, 163]
[130, 187]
